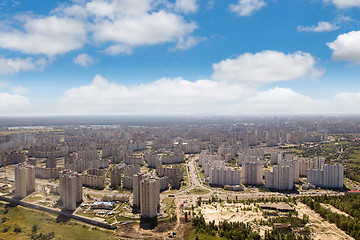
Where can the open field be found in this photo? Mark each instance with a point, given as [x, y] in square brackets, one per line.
[18, 223]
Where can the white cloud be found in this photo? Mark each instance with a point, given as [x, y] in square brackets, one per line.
[119, 49]
[321, 27]
[348, 97]
[19, 89]
[345, 3]
[247, 7]
[15, 65]
[266, 67]
[84, 60]
[346, 47]
[45, 35]
[164, 96]
[3, 83]
[283, 101]
[186, 6]
[143, 29]
[13, 104]
[121, 24]
[179, 96]
[349, 101]
[186, 43]
[114, 9]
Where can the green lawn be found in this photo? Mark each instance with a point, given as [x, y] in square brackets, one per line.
[355, 157]
[24, 219]
[199, 191]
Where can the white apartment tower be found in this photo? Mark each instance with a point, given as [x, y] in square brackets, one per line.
[24, 180]
[224, 176]
[70, 189]
[150, 197]
[137, 178]
[252, 173]
[332, 176]
[281, 178]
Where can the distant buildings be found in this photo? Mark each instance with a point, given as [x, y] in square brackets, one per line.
[175, 175]
[50, 162]
[115, 176]
[94, 178]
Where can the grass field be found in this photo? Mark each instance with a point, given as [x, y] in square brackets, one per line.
[18, 222]
[202, 236]
[355, 157]
[199, 191]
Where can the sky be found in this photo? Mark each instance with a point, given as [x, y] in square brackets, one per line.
[179, 57]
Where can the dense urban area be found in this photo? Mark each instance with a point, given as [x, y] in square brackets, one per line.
[228, 178]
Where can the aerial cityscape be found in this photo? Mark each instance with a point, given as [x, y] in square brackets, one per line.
[237, 178]
[184, 119]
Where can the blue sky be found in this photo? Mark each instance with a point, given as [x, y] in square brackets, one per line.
[192, 57]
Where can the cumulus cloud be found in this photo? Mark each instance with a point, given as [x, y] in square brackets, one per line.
[186, 43]
[349, 101]
[84, 60]
[179, 96]
[19, 89]
[123, 25]
[247, 7]
[348, 97]
[266, 67]
[15, 65]
[345, 3]
[45, 35]
[283, 101]
[164, 96]
[13, 104]
[144, 29]
[346, 47]
[128, 24]
[320, 27]
[119, 49]
[186, 6]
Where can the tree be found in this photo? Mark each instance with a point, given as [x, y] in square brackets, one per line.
[34, 228]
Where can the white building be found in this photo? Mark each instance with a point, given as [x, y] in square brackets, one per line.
[146, 194]
[224, 176]
[252, 173]
[280, 178]
[294, 164]
[24, 180]
[332, 176]
[150, 197]
[70, 189]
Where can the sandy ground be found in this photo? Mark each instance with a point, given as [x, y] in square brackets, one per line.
[321, 229]
[229, 212]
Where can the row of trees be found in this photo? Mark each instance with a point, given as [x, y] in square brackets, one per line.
[239, 231]
[347, 203]
[348, 224]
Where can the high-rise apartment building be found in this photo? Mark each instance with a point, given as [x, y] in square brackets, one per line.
[252, 173]
[24, 180]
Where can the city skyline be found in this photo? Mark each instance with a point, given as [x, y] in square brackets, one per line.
[183, 57]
